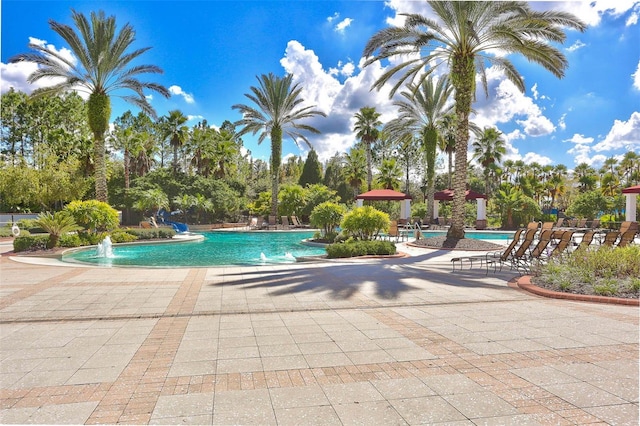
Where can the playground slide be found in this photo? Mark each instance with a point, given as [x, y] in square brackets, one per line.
[178, 226]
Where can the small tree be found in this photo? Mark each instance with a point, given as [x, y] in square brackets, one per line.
[311, 171]
[93, 215]
[56, 225]
[588, 205]
[327, 216]
[365, 223]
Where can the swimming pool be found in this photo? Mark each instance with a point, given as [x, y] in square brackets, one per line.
[219, 248]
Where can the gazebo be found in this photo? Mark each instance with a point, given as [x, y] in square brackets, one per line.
[388, 195]
[631, 194]
[447, 195]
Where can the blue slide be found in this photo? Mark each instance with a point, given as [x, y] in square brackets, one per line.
[179, 227]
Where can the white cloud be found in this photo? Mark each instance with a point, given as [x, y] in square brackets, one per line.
[624, 135]
[532, 157]
[340, 100]
[579, 139]
[177, 90]
[506, 103]
[343, 25]
[534, 91]
[636, 77]
[194, 117]
[590, 12]
[15, 74]
[333, 18]
[561, 121]
[149, 97]
[575, 46]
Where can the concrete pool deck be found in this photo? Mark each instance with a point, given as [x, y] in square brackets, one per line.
[403, 341]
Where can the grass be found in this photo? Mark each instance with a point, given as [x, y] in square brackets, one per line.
[604, 272]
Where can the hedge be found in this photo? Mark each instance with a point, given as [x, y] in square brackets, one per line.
[30, 242]
[360, 248]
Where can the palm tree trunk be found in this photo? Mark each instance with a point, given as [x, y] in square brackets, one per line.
[450, 155]
[369, 174]
[276, 159]
[99, 112]
[430, 141]
[463, 80]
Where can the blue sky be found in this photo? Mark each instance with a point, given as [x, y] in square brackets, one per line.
[212, 51]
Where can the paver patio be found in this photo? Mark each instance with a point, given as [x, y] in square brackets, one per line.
[402, 341]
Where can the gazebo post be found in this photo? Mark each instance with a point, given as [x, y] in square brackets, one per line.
[481, 219]
[630, 211]
[436, 207]
[359, 202]
[405, 209]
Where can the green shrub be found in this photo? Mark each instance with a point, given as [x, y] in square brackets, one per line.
[93, 215]
[6, 232]
[150, 234]
[70, 240]
[56, 224]
[365, 223]
[327, 216]
[360, 248]
[121, 236]
[30, 242]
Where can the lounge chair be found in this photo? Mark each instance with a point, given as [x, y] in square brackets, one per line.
[627, 238]
[537, 253]
[285, 222]
[534, 225]
[273, 222]
[610, 238]
[565, 240]
[296, 222]
[582, 224]
[628, 226]
[587, 238]
[493, 256]
[559, 223]
[595, 224]
[253, 223]
[514, 257]
[547, 225]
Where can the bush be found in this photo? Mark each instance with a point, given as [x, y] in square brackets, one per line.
[93, 215]
[364, 223]
[30, 242]
[327, 216]
[150, 234]
[121, 236]
[70, 240]
[360, 248]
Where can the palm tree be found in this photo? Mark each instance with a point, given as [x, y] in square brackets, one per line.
[465, 38]
[421, 112]
[390, 174]
[488, 150]
[57, 225]
[447, 141]
[103, 69]
[173, 128]
[279, 112]
[355, 169]
[366, 129]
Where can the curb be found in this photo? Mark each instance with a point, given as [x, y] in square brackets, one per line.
[524, 283]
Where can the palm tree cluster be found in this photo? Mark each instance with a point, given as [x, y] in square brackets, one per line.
[433, 86]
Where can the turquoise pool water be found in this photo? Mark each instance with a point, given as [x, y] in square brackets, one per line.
[218, 248]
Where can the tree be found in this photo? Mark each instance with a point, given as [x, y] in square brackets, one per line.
[173, 128]
[355, 169]
[464, 37]
[311, 171]
[447, 141]
[103, 69]
[488, 150]
[278, 113]
[390, 173]
[56, 225]
[366, 129]
[421, 112]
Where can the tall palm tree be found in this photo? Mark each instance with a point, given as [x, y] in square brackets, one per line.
[366, 129]
[390, 174]
[421, 112]
[174, 129]
[103, 69]
[278, 112]
[465, 37]
[447, 141]
[488, 150]
[355, 169]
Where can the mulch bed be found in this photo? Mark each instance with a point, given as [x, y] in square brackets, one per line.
[471, 244]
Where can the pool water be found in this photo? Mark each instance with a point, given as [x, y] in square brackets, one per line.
[218, 248]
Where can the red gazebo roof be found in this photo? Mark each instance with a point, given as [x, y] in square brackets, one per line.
[383, 195]
[447, 195]
[632, 190]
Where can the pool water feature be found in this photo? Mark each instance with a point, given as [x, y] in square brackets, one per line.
[218, 248]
